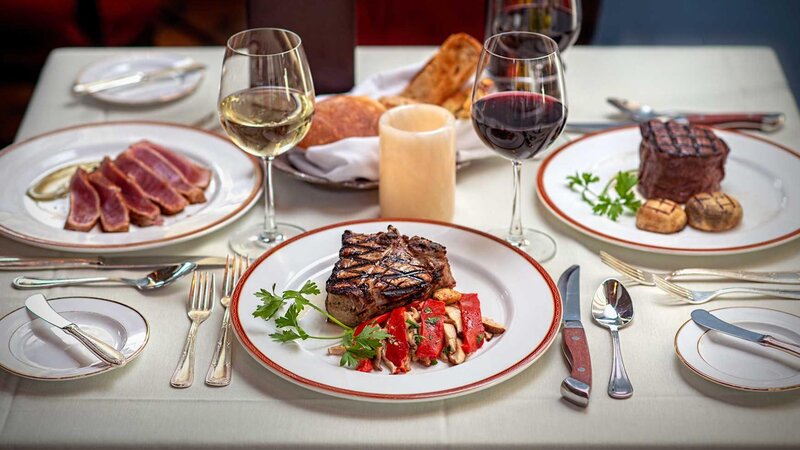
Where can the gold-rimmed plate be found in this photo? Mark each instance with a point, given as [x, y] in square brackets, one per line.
[740, 364]
[38, 350]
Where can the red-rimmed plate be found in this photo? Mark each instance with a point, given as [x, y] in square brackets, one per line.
[762, 175]
[234, 187]
[514, 290]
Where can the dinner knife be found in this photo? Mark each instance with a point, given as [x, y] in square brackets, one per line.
[100, 262]
[709, 321]
[576, 387]
[136, 78]
[38, 305]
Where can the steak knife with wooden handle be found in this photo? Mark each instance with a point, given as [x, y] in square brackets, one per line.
[577, 386]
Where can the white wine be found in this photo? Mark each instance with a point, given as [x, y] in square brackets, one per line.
[266, 121]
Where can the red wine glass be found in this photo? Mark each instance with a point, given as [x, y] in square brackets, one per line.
[523, 113]
[557, 19]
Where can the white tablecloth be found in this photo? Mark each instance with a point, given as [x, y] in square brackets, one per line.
[671, 406]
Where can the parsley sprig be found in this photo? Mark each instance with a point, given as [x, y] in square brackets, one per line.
[357, 348]
[605, 204]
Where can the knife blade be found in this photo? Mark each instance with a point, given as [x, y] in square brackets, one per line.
[592, 127]
[136, 78]
[13, 263]
[37, 304]
[709, 321]
[577, 386]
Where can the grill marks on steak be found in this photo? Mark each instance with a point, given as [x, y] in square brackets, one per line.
[677, 161]
[113, 213]
[84, 203]
[378, 272]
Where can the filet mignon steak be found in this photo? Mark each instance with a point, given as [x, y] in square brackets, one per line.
[378, 272]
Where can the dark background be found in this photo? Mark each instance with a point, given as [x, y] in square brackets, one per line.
[29, 29]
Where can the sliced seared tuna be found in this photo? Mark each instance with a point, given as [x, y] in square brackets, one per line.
[160, 165]
[196, 174]
[113, 213]
[84, 203]
[142, 211]
[155, 187]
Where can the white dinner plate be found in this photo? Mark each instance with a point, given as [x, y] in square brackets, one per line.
[513, 288]
[35, 349]
[156, 91]
[762, 175]
[740, 364]
[234, 188]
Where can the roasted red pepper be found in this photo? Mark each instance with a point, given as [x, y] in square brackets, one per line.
[397, 344]
[377, 321]
[472, 322]
[365, 365]
[431, 330]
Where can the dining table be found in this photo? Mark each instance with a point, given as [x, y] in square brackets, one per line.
[671, 406]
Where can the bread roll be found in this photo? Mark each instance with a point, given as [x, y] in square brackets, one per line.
[343, 116]
[661, 216]
[716, 211]
[447, 71]
[392, 101]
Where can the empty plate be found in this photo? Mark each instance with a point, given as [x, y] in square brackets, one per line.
[40, 351]
[156, 91]
[740, 364]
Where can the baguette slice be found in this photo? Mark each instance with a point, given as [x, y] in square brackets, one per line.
[447, 71]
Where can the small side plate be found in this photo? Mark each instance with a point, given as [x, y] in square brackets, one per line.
[740, 364]
[39, 351]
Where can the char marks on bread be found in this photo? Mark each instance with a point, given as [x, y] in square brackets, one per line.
[84, 203]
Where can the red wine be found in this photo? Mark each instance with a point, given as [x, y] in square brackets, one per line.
[518, 125]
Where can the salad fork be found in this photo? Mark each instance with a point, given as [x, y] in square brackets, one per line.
[644, 277]
[201, 298]
[698, 297]
[219, 371]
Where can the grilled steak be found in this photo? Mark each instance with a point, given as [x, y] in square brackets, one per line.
[378, 272]
[114, 215]
[84, 203]
[677, 161]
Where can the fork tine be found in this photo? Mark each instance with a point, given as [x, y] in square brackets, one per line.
[624, 268]
[192, 290]
[198, 286]
[210, 300]
[226, 285]
[672, 288]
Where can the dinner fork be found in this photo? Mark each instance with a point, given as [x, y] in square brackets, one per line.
[219, 371]
[201, 303]
[644, 277]
[698, 297]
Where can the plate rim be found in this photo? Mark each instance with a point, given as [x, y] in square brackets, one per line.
[105, 369]
[723, 383]
[145, 55]
[142, 245]
[545, 198]
[489, 381]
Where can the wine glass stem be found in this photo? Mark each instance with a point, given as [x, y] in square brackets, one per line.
[270, 233]
[515, 234]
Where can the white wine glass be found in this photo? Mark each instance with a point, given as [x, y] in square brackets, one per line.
[266, 102]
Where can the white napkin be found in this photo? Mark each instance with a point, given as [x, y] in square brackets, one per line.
[357, 157]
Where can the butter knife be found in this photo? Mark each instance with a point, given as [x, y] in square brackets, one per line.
[38, 305]
[13, 263]
[136, 78]
[709, 321]
[577, 386]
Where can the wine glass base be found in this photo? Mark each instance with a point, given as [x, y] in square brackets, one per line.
[252, 241]
[533, 242]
